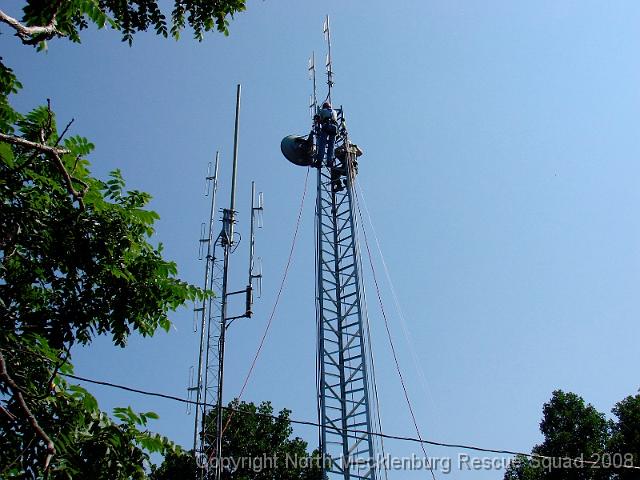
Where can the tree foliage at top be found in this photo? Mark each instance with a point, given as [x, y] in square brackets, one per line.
[573, 429]
[43, 20]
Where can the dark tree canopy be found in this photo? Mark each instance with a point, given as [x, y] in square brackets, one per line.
[253, 434]
[573, 429]
[625, 434]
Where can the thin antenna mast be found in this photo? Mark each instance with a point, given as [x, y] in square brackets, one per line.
[234, 174]
[207, 305]
[312, 72]
[215, 320]
[228, 219]
[255, 272]
[329, 63]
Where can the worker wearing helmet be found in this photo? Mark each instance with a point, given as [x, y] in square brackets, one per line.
[327, 128]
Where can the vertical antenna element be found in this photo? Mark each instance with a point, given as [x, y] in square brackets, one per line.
[234, 174]
[256, 213]
[312, 73]
[252, 238]
[205, 309]
[326, 29]
[190, 390]
[228, 221]
[203, 241]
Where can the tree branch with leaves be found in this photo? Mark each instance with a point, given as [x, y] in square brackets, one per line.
[32, 35]
[43, 21]
[17, 395]
[76, 260]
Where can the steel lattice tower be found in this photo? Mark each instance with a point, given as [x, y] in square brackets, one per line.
[207, 379]
[343, 388]
[343, 356]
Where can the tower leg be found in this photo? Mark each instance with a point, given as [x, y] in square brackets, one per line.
[343, 382]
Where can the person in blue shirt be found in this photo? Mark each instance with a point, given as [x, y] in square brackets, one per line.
[326, 131]
[326, 128]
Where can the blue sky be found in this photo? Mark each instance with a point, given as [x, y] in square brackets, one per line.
[501, 143]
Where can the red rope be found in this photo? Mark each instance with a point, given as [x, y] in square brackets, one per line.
[275, 305]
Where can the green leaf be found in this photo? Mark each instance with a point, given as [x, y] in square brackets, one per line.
[6, 153]
[165, 324]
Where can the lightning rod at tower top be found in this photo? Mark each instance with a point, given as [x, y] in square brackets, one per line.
[326, 29]
[347, 416]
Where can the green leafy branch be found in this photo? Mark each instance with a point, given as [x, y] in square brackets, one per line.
[43, 21]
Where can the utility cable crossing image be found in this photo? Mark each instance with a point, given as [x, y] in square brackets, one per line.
[453, 236]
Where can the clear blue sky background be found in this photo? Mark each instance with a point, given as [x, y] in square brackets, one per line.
[501, 169]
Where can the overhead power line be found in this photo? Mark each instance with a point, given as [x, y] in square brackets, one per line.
[576, 461]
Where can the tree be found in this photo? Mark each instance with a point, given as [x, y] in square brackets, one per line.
[522, 468]
[43, 20]
[175, 466]
[257, 445]
[75, 262]
[625, 437]
[573, 429]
